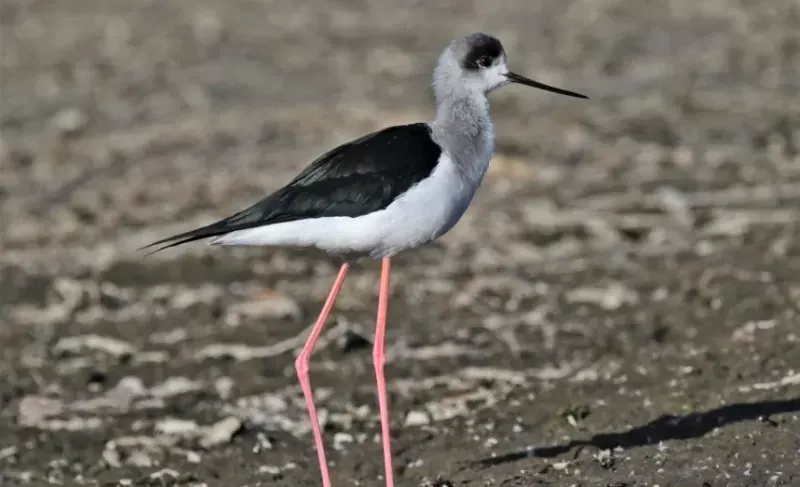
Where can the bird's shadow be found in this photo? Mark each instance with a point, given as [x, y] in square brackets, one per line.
[666, 427]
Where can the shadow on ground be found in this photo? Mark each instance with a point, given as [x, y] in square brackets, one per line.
[665, 428]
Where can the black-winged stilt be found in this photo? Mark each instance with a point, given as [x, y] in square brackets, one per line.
[391, 190]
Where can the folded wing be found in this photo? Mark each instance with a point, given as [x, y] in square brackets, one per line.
[354, 179]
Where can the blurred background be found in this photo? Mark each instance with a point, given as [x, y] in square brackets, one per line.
[617, 307]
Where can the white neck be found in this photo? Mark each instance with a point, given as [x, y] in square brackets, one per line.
[463, 127]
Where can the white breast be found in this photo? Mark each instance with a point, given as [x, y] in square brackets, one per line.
[425, 212]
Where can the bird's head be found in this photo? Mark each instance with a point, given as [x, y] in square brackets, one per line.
[477, 63]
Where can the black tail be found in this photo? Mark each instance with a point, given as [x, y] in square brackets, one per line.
[218, 228]
[261, 213]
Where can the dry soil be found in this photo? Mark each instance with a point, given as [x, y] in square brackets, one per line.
[618, 308]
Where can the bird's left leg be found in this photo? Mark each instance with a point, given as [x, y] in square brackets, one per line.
[379, 359]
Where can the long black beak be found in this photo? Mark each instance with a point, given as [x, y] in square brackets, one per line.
[515, 78]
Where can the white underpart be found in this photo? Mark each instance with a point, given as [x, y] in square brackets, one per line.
[423, 213]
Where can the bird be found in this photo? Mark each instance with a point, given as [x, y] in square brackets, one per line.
[391, 190]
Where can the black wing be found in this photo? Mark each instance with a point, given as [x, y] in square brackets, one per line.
[354, 179]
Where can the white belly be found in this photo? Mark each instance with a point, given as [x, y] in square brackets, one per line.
[425, 212]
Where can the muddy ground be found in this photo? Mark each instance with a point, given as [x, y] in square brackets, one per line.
[618, 308]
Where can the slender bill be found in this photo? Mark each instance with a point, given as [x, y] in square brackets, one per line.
[516, 78]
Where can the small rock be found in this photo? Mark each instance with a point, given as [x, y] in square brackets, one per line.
[341, 439]
[177, 427]
[175, 386]
[71, 121]
[193, 457]
[121, 397]
[140, 458]
[71, 295]
[33, 410]
[747, 333]
[185, 298]
[263, 442]
[73, 424]
[113, 297]
[150, 403]
[224, 387]
[139, 450]
[362, 412]
[77, 344]
[221, 432]
[417, 418]
[8, 452]
[131, 385]
[575, 413]
[269, 469]
[164, 475]
[438, 482]
[675, 202]
[225, 351]
[111, 455]
[271, 305]
[729, 225]
[605, 459]
[610, 297]
[151, 357]
[343, 421]
[169, 337]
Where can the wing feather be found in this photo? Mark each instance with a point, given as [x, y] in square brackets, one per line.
[354, 179]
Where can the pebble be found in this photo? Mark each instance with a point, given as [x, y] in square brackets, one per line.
[269, 469]
[77, 344]
[121, 397]
[174, 426]
[271, 305]
[193, 457]
[70, 121]
[175, 386]
[35, 409]
[139, 459]
[221, 432]
[224, 387]
[262, 443]
[161, 474]
[341, 439]
[417, 418]
[610, 297]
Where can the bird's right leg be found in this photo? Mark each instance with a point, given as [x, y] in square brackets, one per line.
[301, 365]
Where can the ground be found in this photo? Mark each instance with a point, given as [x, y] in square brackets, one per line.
[619, 307]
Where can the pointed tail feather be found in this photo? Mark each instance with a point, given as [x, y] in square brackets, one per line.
[254, 216]
[212, 230]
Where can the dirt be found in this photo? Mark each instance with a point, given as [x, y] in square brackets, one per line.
[619, 307]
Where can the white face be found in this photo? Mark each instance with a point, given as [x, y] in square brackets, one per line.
[489, 76]
[494, 77]
[463, 68]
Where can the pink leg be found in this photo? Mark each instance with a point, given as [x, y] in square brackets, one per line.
[301, 365]
[379, 359]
